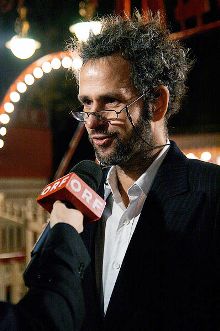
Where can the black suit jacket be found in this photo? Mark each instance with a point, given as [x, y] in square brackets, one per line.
[54, 301]
[170, 276]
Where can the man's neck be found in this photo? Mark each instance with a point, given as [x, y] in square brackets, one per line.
[129, 173]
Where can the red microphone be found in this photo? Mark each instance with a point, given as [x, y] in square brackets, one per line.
[76, 192]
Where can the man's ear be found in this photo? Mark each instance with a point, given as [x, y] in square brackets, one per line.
[160, 105]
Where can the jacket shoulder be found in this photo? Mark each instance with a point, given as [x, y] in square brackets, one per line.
[204, 175]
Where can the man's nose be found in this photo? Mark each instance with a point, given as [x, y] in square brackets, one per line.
[94, 120]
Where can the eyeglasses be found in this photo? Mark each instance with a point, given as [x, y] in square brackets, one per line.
[102, 115]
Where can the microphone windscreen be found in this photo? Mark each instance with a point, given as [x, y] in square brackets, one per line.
[90, 172]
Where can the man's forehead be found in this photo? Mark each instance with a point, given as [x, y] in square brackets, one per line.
[106, 75]
[108, 63]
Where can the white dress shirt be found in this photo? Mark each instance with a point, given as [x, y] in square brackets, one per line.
[121, 221]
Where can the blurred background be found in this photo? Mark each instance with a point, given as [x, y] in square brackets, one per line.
[39, 141]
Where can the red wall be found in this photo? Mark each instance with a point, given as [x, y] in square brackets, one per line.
[26, 153]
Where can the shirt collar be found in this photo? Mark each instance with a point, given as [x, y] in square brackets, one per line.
[143, 183]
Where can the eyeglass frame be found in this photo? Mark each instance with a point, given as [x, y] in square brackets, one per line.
[97, 113]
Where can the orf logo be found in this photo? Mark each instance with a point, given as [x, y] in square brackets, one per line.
[55, 185]
[87, 194]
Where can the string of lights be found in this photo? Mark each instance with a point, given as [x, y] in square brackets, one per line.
[34, 72]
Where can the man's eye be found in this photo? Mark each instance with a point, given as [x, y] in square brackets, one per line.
[87, 102]
[111, 100]
[86, 105]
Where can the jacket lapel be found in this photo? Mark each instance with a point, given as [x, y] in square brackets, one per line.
[92, 236]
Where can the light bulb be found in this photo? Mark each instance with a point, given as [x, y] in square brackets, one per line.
[23, 48]
[206, 156]
[29, 79]
[38, 72]
[14, 96]
[56, 63]
[21, 87]
[3, 131]
[66, 62]
[1, 143]
[83, 29]
[4, 118]
[9, 107]
[46, 67]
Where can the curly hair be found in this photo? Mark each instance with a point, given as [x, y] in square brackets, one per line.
[155, 58]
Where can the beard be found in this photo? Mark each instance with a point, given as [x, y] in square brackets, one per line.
[135, 147]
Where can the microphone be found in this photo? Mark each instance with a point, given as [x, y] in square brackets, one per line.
[76, 190]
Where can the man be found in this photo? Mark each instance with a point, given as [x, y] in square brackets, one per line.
[54, 301]
[155, 254]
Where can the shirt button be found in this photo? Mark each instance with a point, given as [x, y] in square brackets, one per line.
[126, 222]
[116, 265]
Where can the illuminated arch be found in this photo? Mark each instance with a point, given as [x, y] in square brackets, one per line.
[34, 72]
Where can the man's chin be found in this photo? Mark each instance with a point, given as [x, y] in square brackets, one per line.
[110, 159]
[104, 158]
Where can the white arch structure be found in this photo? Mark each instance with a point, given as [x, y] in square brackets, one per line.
[35, 71]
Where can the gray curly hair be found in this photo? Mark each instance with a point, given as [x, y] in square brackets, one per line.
[155, 58]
